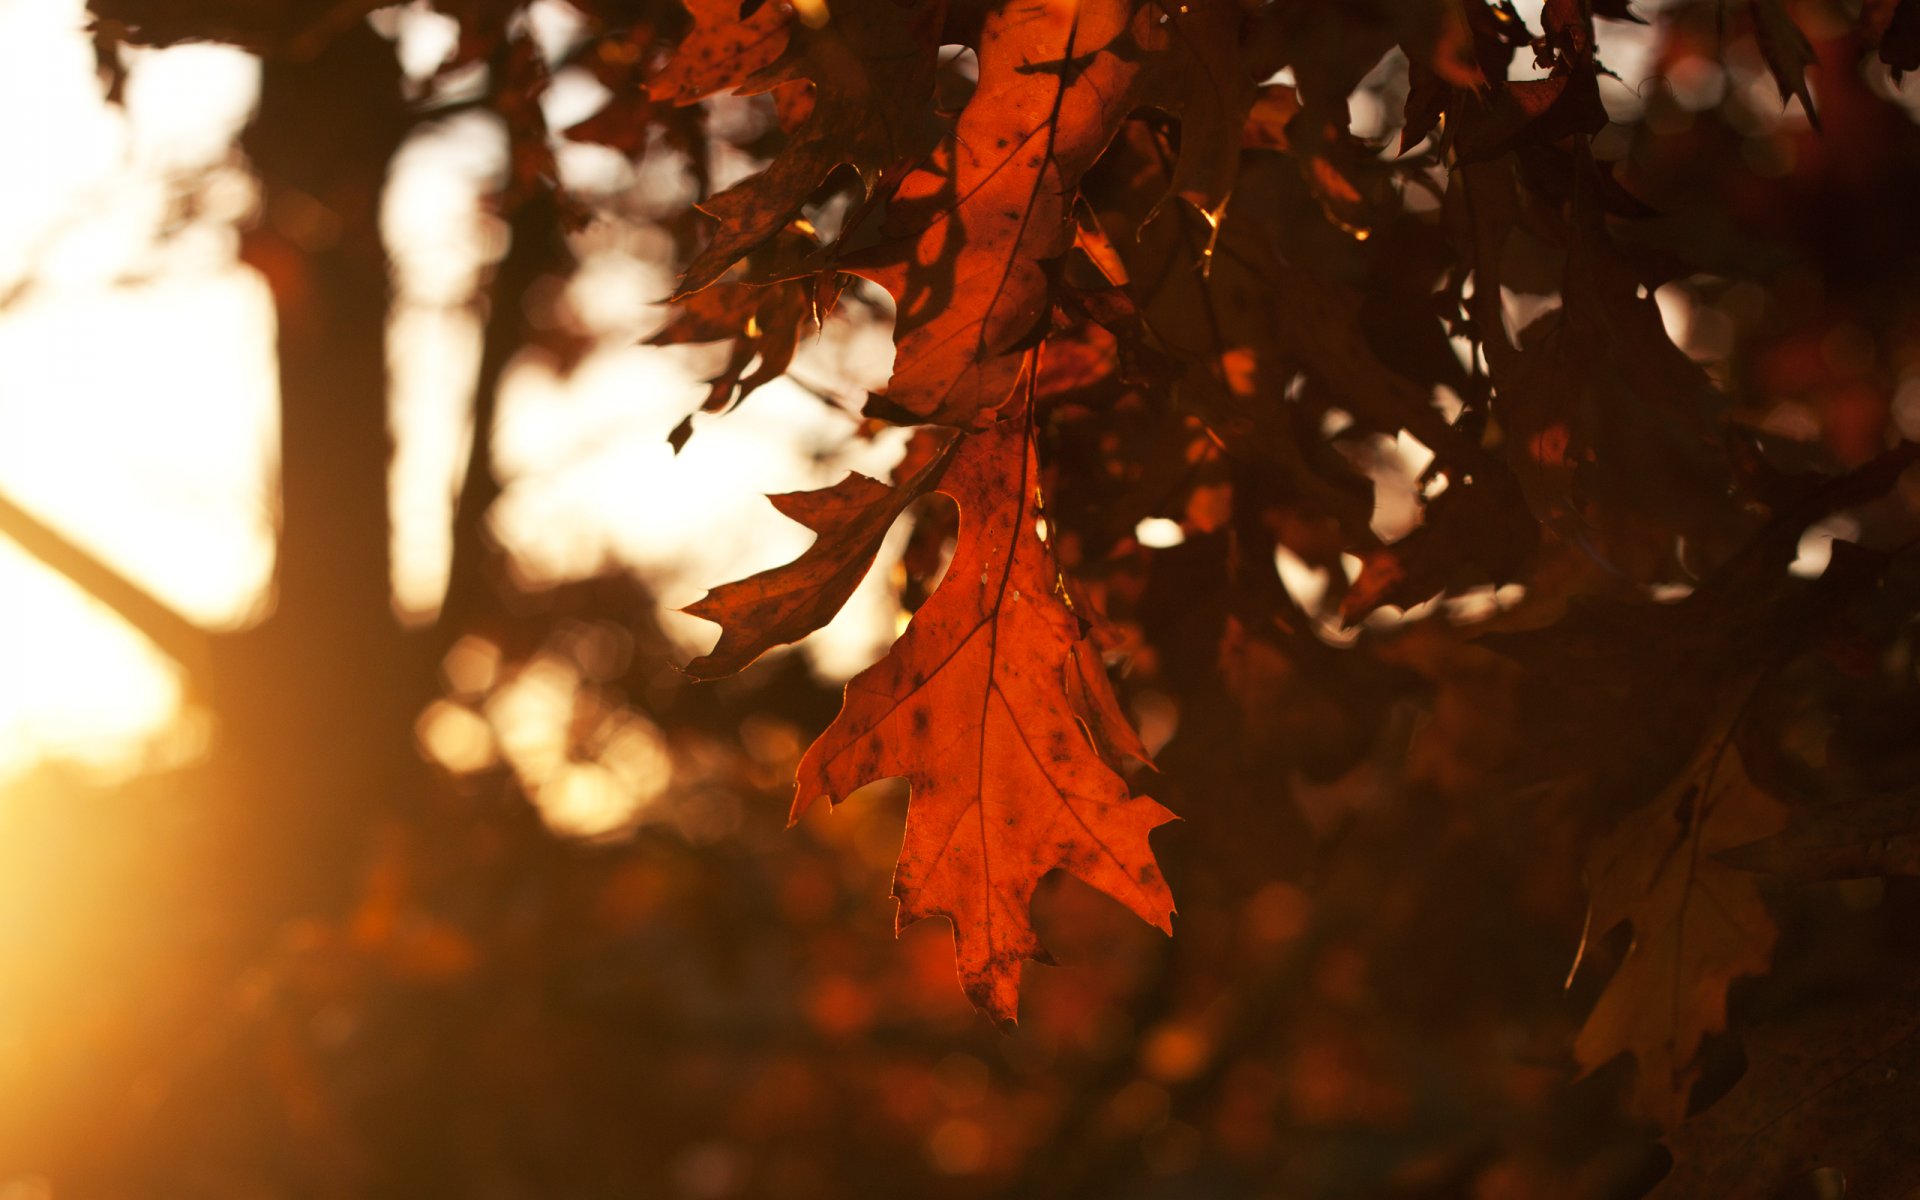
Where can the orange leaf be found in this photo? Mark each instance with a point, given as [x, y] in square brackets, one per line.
[872, 70]
[765, 323]
[721, 51]
[966, 235]
[787, 603]
[972, 707]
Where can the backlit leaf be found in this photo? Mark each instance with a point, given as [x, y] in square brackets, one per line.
[787, 603]
[972, 708]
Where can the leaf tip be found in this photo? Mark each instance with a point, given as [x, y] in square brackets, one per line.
[802, 802]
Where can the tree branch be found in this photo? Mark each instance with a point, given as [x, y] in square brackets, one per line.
[535, 248]
[172, 634]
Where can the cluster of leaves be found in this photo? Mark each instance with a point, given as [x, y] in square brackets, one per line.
[1148, 263]
[1138, 240]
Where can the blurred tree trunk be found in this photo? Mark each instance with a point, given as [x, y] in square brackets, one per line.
[316, 705]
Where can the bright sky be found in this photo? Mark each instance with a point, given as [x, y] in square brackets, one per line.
[137, 394]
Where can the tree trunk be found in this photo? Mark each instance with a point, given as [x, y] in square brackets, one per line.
[316, 705]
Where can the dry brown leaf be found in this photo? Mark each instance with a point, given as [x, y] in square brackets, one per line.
[1698, 925]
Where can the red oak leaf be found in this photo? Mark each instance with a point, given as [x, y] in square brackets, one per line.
[722, 50]
[872, 70]
[966, 235]
[787, 603]
[972, 706]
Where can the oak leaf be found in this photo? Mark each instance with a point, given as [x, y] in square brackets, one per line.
[789, 602]
[962, 244]
[972, 707]
[872, 71]
[1099, 709]
[764, 323]
[1855, 839]
[1698, 925]
[1824, 1106]
[722, 50]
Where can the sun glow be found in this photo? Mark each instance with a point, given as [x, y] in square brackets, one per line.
[137, 397]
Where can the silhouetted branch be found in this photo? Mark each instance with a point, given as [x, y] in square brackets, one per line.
[535, 248]
[172, 634]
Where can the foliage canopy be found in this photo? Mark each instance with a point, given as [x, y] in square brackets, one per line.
[1502, 412]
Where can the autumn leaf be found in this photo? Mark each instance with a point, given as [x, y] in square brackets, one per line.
[722, 50]
[1855, 839]
[1091, 695]
[964, 239]
[1827, 1098]
[971, 706]
[764, 323]
[789, 602]
[1615, 436]
[1527, 112]
[872, 71]
[1698, 925]
[1242, 331]
[1787, 51]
